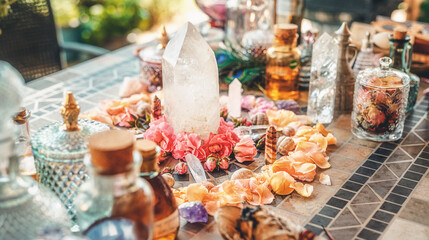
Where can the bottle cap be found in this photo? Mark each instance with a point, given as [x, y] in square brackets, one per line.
[147, 150]
[399, 33]
[111, 151]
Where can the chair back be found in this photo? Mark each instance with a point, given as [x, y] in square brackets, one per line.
[29, 39]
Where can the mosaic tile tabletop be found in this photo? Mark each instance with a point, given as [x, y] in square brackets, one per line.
[379, 191]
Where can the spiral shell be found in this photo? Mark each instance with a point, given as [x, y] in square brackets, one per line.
[288, 131]
[259, 119]
[285, 145]
[143, 108]
[271, 145]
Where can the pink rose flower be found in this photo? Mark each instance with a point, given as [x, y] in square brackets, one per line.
[245, 150]
[181, 168]
[218, 144]
[188, 143]
[247, 102]
[225, 126]
[210, 164]
[163, 155]
[126, 117]
[161, 133]
[224, 163]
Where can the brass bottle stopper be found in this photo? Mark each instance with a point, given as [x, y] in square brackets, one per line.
[163, 40]
[111, 151]
[70, 112]
[147, 150]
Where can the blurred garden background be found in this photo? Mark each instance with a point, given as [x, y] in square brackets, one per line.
[112, 24]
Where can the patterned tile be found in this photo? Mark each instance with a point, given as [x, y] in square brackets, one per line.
[407, 183]
[395, 198]
[366, 195]
[329, 211]
[336, 202]
[404, 229]
[398, 168]
[346, 218]
[382, 188]
[402, 191]
[390, 207]
[344, 234]
[424, 134]
[343, 163]
[376, 225]
[399, 155]
[354, 152]
[413, 150]
[416, 210]
[363, 211]
[383, 216]
[412, 138]
[320, 220]
[345, 194]
[383, 174]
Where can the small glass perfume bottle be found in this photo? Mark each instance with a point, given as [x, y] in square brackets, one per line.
[281, 79]
[400, 53]
[365, 58]
[23, 145]
[166, 222]
[59, 149]
[151, 63]
[114, 195]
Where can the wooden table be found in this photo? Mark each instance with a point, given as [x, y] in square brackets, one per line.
[378, 190]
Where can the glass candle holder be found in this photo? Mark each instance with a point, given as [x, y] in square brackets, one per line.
[380, 101]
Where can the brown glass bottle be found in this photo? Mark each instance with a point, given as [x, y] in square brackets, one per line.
[166, 218]
[282, 71]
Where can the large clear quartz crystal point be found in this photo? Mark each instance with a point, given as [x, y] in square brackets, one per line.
[190, 83]
[321, 98]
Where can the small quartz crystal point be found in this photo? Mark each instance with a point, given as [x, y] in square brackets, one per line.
[271, 145]
[190, 83]
[196, 168]
[156, 114]
[234, 98]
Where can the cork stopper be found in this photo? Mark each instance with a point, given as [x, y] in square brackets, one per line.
[111, 151]
[22, 116]
[147, 150]
[285, 33]
[399, 33]
[163, 40]
[70, 112]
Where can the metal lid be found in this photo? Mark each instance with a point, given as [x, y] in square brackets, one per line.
[384, 76]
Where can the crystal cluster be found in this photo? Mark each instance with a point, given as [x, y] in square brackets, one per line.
[193, 212]
[190, 83]
[321, 98]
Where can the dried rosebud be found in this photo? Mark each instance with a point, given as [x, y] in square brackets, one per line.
[224, 163]
[181, 168]
[167, 170]
[163, 155]
[224, 113]
[210, 164]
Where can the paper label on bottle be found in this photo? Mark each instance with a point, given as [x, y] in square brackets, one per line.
[167, 225]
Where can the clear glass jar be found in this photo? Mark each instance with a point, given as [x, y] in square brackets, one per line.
[122, 197]
[380, 101]
[59, 151]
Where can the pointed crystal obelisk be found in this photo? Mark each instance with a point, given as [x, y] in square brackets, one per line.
[321, 96]
[234, 98]
[196, 168]
[190, 83]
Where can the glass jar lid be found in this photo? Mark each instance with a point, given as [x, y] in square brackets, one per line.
[384, 76]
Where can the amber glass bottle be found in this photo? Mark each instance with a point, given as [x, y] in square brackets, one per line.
[166, 219]
[282, 72]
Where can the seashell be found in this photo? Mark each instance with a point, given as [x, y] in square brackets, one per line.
[169, 179]
[280, 183]
[243, 173]
[143, 108]
[271, 145]
[381, 40]
[259, 119]
[285, 145]
[288, 131]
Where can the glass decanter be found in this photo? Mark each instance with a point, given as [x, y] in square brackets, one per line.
[26, 208]
[380, 100]
[59, 149]
[400, 53]
[281, 77]
[114, 195]
[151, 63]
[166, 221]
[365, 58]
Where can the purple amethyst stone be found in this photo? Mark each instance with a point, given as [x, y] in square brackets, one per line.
[290, 105]
[193, 212]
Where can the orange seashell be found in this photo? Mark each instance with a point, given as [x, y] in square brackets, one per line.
[304, 171]
[331, 139]
[322, 129]
[283, 164]
[320, 159]
[320, 140]
[280, 118]
[304, 190]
